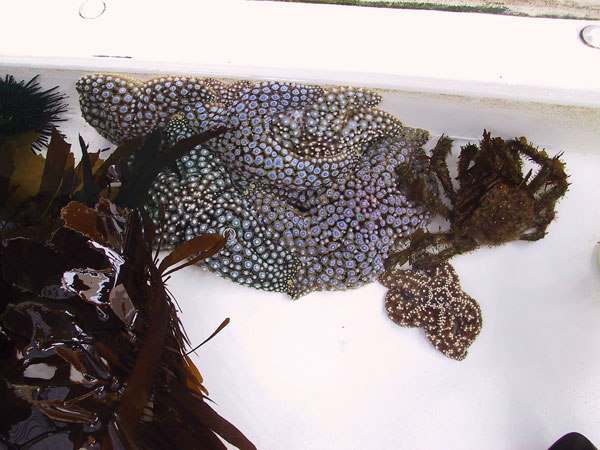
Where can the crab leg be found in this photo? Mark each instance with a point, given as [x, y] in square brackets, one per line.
[440, 167]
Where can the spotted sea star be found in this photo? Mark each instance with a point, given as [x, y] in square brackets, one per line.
[304, 177]
[433, 299]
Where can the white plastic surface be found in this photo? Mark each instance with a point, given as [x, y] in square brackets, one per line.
[331, 371]
[475, 54]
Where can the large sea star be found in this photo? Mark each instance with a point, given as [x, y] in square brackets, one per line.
[310, 168]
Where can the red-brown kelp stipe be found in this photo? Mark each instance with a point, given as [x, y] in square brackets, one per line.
[91, 350]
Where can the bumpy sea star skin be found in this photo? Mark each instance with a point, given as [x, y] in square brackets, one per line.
[304, 178]
[198, 197]
[123, 108]
[433, 299]
[343, 239]
[297, 138]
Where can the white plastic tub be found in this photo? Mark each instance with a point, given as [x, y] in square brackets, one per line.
[331, 371]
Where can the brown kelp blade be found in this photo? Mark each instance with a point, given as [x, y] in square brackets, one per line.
[56, 161]
[149, 161]
[219, 328]
[202, 247]
[209, 417]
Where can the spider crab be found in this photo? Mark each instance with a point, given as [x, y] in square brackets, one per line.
[493, 204]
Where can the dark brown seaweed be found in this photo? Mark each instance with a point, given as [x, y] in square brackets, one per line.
[70, 354]
[91, 349]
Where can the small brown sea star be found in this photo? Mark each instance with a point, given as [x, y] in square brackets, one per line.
[433, 299]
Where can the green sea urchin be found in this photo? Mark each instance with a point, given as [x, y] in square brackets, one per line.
[26, 107]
